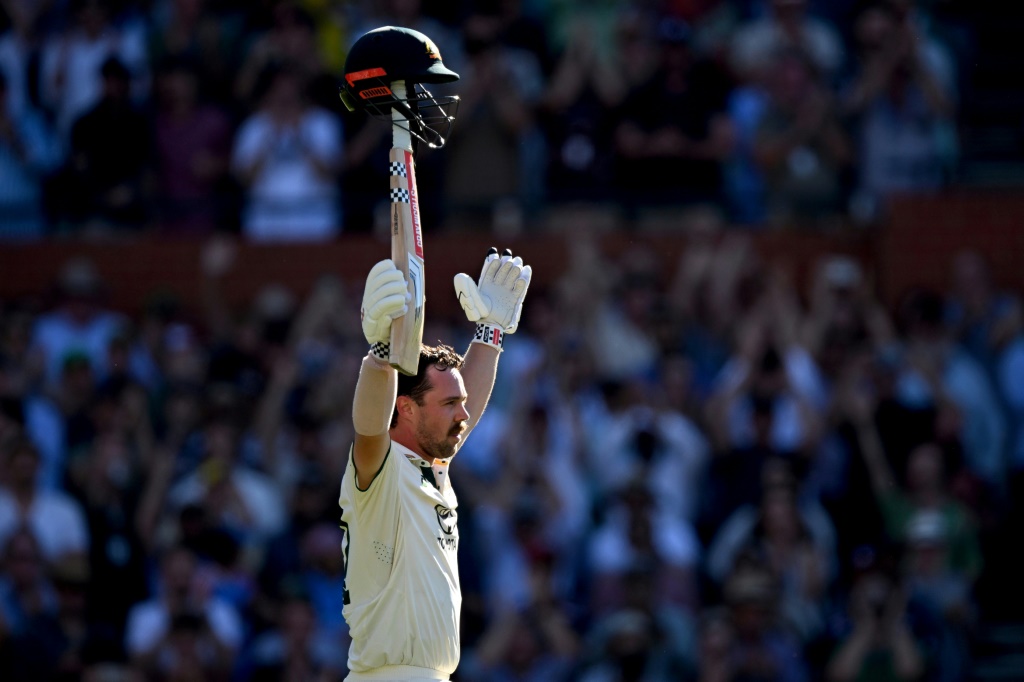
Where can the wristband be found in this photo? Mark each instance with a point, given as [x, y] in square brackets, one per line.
[381, 351]
[490, 335]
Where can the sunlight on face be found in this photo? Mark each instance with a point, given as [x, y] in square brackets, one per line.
[442, 416]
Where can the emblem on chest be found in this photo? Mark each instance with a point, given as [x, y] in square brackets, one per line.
[447, 520]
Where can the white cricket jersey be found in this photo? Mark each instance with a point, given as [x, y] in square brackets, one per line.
[402, 594]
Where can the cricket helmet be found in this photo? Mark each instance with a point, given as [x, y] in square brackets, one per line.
[392, 53]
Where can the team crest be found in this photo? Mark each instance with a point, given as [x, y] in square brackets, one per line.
[447, 518]
[432, 52]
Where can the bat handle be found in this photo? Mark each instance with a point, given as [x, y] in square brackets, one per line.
[400, 136]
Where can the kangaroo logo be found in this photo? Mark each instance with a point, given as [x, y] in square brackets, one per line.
[447, 518]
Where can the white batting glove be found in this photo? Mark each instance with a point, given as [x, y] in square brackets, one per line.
[385, 298]
[497, 299]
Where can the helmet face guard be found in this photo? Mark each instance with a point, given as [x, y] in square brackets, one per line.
[392, 54]
[427, 118]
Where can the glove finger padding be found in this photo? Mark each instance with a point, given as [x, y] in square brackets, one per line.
[385, 298]
[490, 270]
[390, 286]
[505, 269]
[520, 287]
[523, 282]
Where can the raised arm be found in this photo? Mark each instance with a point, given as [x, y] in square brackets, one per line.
[384, 299]
[495, 303]
[860, 410]
[478, 373]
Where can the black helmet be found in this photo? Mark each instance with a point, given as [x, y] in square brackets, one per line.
[391, 53]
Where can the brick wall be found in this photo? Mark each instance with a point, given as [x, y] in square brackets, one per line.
[914, 249]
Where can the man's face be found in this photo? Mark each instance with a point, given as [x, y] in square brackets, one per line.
[442, 416]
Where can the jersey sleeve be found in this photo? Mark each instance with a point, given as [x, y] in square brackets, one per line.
[383, 488]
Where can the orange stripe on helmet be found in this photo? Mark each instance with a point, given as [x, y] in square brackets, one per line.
[363, 75]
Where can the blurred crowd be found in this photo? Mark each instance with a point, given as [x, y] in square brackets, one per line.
[692, 470]
[187, 116]
[700, 470]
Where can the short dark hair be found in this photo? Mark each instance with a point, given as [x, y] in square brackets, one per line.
[415, 386]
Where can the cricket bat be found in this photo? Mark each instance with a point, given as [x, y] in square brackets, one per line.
[406, 242]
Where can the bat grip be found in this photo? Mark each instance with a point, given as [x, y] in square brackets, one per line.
[400, 136]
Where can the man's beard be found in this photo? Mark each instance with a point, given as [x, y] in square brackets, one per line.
[441, 448]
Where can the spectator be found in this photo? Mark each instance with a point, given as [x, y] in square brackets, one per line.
[762, 409]
[630, 647]
[527, 521]
[715, 646]
[926, 490]
[54, 518]
[778, 488]
[108, 481]
[205, 34]
[52, 645]
[291, 39]
[70, 71]
[576, 110]
[1011, 382]
[984, 320]
[28, 154]
[311, 505]
[110, 159]
[238, 353]
[182, 630]
[672, 135]
[17, 49]
[743, 181]
[78, 322]
[904, 101]
[879, 646]
[237, 497]
[800, 555]
[301, 403]
[530, 646]
[621, 316]
[15, 366]
[703, 296]
[765, 650]
[26, 591]
[490, 158]
[287, 156]
[674, 625]
[845, 318]
[662, 447]
[519, 26]
[800, 145]
[788, 25]
[940, 601]
[296, 649]
[323, 579]
[193, 144]
[938, 373]
[634, 530]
